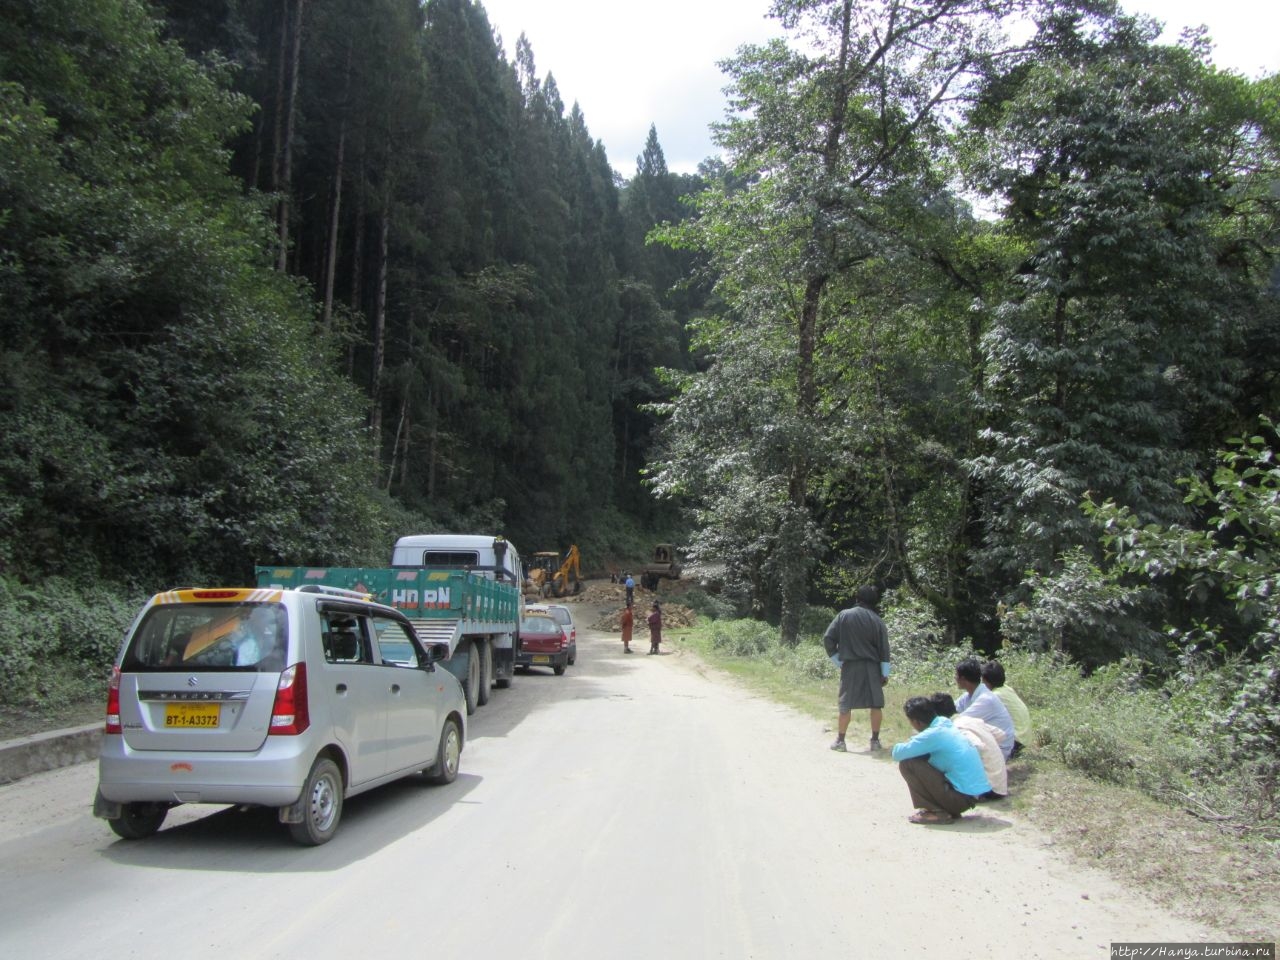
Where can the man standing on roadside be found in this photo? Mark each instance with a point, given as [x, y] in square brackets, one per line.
[858, 643]
[631, 589]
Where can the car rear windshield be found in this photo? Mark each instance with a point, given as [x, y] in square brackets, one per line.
[251, 637]
[539, 625]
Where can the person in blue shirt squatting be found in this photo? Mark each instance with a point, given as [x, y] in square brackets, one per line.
[943, 771]
[858, 643]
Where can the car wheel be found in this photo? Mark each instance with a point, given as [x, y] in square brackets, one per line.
[138, 820]
[448, 754]
[486, 672]
[321, 805]
[472, 686]
[558, 671]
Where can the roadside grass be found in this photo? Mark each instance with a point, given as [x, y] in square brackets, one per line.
[24, 721]
[1105, 778]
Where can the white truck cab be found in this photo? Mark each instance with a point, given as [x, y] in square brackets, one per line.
[491, 557]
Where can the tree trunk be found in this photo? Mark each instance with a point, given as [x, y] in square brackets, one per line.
[398, 439]
[286, 152]
[432, 440]
[277, 133]
[380, 323]
[357, 261]
[795, 568]
[331, 252]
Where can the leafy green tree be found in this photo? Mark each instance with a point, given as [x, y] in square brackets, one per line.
[1227, 568]
[831, 136]
[1137, 181]
[147, 434]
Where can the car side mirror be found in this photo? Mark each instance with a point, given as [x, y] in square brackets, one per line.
[435, 653]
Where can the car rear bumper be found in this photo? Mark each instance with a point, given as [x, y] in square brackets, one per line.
[271, 776]
[560, 659]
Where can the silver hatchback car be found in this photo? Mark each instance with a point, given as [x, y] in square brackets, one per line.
[294, 699]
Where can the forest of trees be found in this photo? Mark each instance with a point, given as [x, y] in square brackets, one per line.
[977, 299]
[284, 279]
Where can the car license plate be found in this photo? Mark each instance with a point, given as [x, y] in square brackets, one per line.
[191, 714]
[541, 659]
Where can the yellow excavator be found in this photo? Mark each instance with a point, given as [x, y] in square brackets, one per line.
[545, 579]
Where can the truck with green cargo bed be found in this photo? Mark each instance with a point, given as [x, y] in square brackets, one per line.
[458, 590]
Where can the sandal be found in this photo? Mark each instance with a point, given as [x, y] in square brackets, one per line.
[930, 816]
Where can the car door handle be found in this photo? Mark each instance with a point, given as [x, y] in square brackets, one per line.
[341, 688]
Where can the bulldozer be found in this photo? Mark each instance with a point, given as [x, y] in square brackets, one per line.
[665, 566]
[547, 579]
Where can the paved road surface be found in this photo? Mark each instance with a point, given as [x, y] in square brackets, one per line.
[638, 807]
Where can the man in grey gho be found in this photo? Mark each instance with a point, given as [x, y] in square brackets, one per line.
[858, 643]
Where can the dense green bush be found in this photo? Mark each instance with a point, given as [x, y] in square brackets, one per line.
[743, 638]
[709, 605]
[58, 640]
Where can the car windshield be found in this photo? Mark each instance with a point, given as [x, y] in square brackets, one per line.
[210, 636]
[539, 625]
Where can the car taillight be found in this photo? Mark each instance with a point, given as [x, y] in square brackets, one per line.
[113, 702]
[564, 640]
[289, 716]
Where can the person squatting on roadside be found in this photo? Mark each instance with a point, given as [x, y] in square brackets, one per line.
[993, 677]
[983, 736]
[978, 701]
[858, 643]
[655, 627]
[626, 621]
[943, 770]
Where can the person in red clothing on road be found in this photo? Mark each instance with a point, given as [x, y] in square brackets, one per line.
[655, 627]
[626, 621]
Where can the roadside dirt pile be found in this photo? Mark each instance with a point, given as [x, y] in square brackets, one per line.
[608, 599]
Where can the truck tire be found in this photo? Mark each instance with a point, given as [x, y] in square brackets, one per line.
[321, 805]
[138, 820]
[447, 754]
[486, 672]
[472, 686]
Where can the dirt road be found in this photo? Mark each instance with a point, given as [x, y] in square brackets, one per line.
[637, 807]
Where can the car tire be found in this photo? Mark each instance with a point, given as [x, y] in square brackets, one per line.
[558, 671]
[138, 820]
[486, 672]
[448, 754]
[321, 805]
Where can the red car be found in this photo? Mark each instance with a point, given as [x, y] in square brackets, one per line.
[542, 643]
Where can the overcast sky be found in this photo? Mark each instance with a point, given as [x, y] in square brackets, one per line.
[630, 65]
